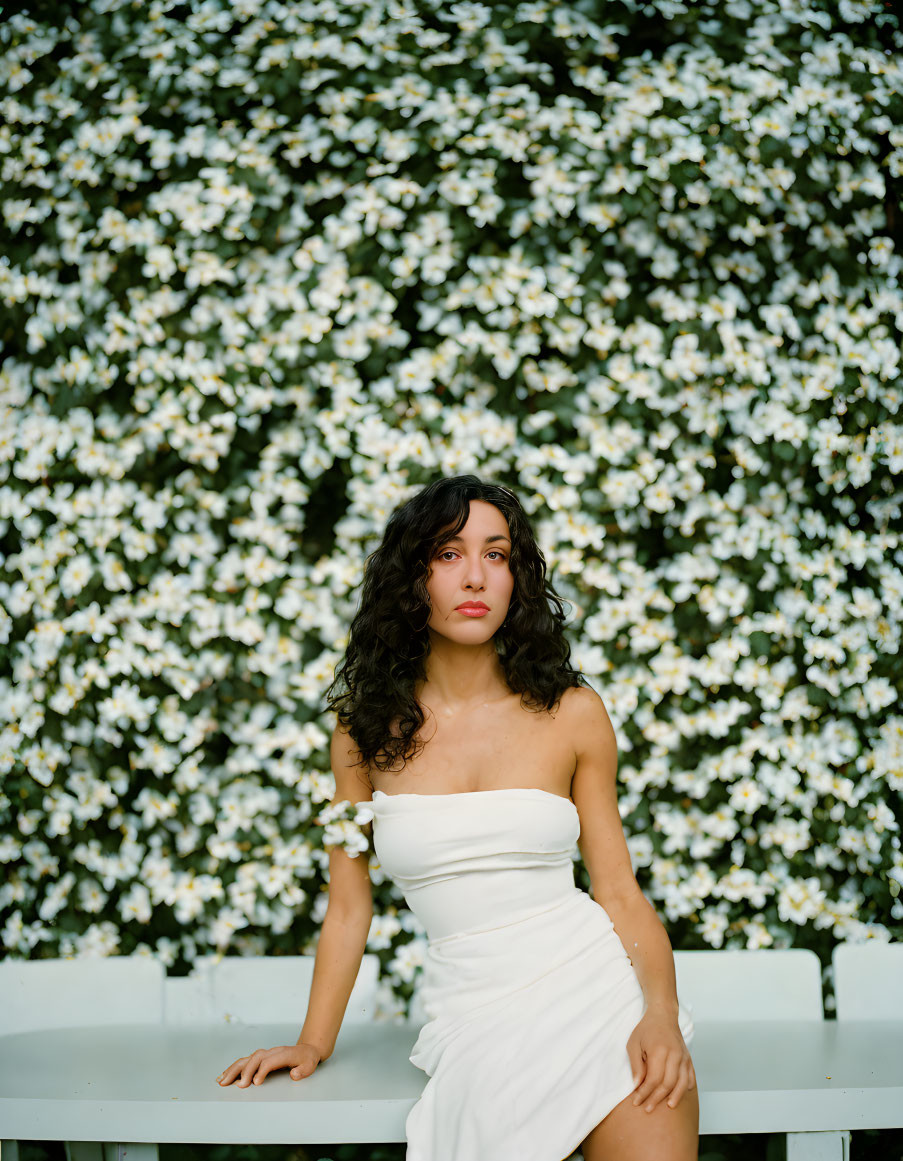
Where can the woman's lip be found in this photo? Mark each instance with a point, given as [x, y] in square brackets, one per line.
[471, 611]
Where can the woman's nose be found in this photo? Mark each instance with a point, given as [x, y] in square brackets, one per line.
[475, 574]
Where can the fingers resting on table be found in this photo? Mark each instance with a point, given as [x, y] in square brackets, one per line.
[302, 1059]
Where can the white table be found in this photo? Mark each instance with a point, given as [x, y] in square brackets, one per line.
[157, 1083]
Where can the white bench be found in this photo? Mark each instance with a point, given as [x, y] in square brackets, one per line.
[765, 1059]
[259, 990]
[868, 980]
[868, 983]
[63, 993]
[119, 991]
[66, 993]
[754, 986]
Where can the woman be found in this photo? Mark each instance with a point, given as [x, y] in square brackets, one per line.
[553, 1019]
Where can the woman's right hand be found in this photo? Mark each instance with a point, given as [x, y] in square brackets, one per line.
[302, 1059]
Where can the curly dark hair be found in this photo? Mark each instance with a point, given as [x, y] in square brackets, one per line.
[388, 639]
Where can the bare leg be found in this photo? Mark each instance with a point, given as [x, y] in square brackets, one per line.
[629, 1133]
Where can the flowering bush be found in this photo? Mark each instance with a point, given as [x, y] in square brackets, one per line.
[271, 265]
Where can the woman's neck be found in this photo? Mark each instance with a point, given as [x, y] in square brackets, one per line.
[458, 675]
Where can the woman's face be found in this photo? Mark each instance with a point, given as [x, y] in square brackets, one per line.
[473, 567]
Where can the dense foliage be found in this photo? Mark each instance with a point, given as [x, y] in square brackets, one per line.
[269, 267]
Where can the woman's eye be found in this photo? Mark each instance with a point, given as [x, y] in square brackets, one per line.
[451, 552]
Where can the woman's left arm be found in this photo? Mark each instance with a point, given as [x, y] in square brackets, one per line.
[661, 1063]
[662, 1067]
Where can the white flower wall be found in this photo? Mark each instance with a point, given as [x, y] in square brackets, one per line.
[269, 267]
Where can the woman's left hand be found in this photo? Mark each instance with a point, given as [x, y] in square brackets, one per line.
[661, 1064]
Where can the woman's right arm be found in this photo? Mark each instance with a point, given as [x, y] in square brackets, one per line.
[340, 948]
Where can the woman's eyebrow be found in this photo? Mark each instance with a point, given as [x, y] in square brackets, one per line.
[488, 540]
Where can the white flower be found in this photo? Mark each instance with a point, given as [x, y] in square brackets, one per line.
[100, 939]
[136, 904]
[383, 929]
[346, 834]
[800, 900]
[408, 959]
[747, 796]
[757, 934]
[713, 926]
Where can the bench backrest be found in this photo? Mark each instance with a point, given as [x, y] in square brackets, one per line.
[252, 989]
[868, 980]
[65, 993]
[754, 984]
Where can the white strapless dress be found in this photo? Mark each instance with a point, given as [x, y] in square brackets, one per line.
[529, 994]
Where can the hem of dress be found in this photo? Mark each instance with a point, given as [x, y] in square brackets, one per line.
[599, 1117]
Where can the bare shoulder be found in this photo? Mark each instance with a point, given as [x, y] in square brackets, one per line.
[581, 698]
[585, 717]
[352, 782]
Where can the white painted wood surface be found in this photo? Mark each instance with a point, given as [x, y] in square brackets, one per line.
[158, 1083]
